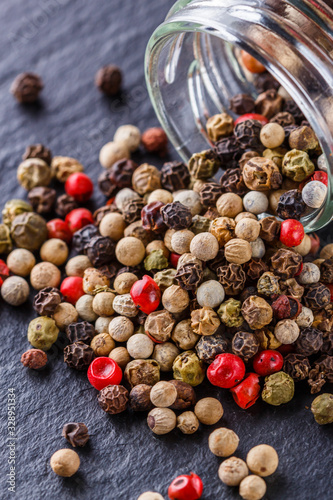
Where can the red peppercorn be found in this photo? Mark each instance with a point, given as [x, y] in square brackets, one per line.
[251, 116]
[4, 270]
[186, 487]
[110, 201]
[300, 270]
[79, 186]
[226, 371]
[251, 63]
[58, 228]
[79, 218]
[267, 362]
[104, 371]
[173, 259]
[331, 290]
[285, 349]
[247, 392]
[146, 294]
[151, 217]
[291, 233]
[1, 282]
[72, 289]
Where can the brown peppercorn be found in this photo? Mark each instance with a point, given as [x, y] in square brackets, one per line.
[321, 373]
[242, 104]
[209, 411]
[211, 346]
[210, 193]
[267, 339]
[269, 103]
[132, 210]
[326, 271]
[42, 199]
[303, 138]
[142, 371]
[64, 205]
[113, 399]
[155, 140]
[248, 155]
[219, 126]
[46, 301]
[76, 433]
[297, 366]
[283, 118]
[189, 276]
[257, 312]
[109, 79]
[183, 335]
[139, 398]
[245, 345]
[317, 296]
[120, 356]
[175, 176]
[232, 182]
[228, 150]
[176, 216]
[26, 87]
[309, 341]
[151, 217]
[78, 355]
[102, 344]
[232, 277]
[34, 359]
[204, 321]
[292, 288]
[254, 268]
[159, 325]
[106, 185]
[261, 174]
[270, 229]
[38, 151]
[63, 166]
[223, 228]
[29, 231]
[80, 332]
[286, 263]
[146, 178]
[185, 395]
[100, 250]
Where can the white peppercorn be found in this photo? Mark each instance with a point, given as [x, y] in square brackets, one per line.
[210, 294]
[129, 136]
[160, 195]
[181, 240]
[248, 229]
[184, 336]
[130, 251]
[305, 318]
[112, 152]
[85, 309]
[229, 205]
[124, 196]
[65, 462]
[314, 194]
[258, 248]
[121, 328]
[204, 246]
[102, 324]
[113, 226]
[102, 303]
[140, 346]
[15, 290]
[44, 274]
[223, 442]
[175, 299]
[245, 215]
[161, 420]
[304, 247]
[262, 460]
[237, 251]
[124, 282]
[163, 394]
[20, 262]
[77, 265]
[165, 354]
[232, 471]
[252, 488]
[309, 274]
[208, 410]
[286, 331]
[272, 135]
[190, 199]
[150, 495]
[187, 422]
[64, 315]
[54, 251]
[255, 202]
[124, 305]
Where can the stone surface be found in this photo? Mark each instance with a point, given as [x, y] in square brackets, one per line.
[66, 41]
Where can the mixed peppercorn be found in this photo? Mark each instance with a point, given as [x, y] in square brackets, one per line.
[180, 274]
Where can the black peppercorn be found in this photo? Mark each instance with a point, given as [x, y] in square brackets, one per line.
[297, 366]
[100, 250]
[317, 296]
[254, 268]
[106, 185]
[291, 107]
[283, 118]
[109, 79]
[245, 345]
[189, 276]
[26, 87]
[38, 151]
[132, 210]
[327, 346]
[232, 278]
[109, 270]
[326, 271]
[309, 341]
[151, 217]
[113, 399]
[269, 103]
[176, 216]
[266, 81]
[46, 301]
[270, 229]
[121, 173]
[232, 182]
[242, 104]
[219, 261]
[247, 292]
[210, 193]
[76, 433]
[286, 263]
[83, 236]
[78, 355]
[42, 199]
[210, 346]
[139, 398]
[80, 332]
[321, 373]
[64, 205]
[291, 205]
[247, 134]
[175, 176]
[229, 151]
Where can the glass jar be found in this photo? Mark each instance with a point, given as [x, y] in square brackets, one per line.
[192, 68]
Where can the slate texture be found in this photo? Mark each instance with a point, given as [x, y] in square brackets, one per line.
[66, 41]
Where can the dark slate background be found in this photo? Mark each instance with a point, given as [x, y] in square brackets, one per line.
[66, 41]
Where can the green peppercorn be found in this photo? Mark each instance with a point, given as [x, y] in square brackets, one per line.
[42, 333]
[29, 231]
[297, 165]
[276, 154]
[13, 208]
[165, 278]
[5, 240]
[279, 388]
[230, 313]
[268, 284]
[322, 409]
[33, 172]
[188, 368]
[200, 224]
[204, 165]
[156, 260]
